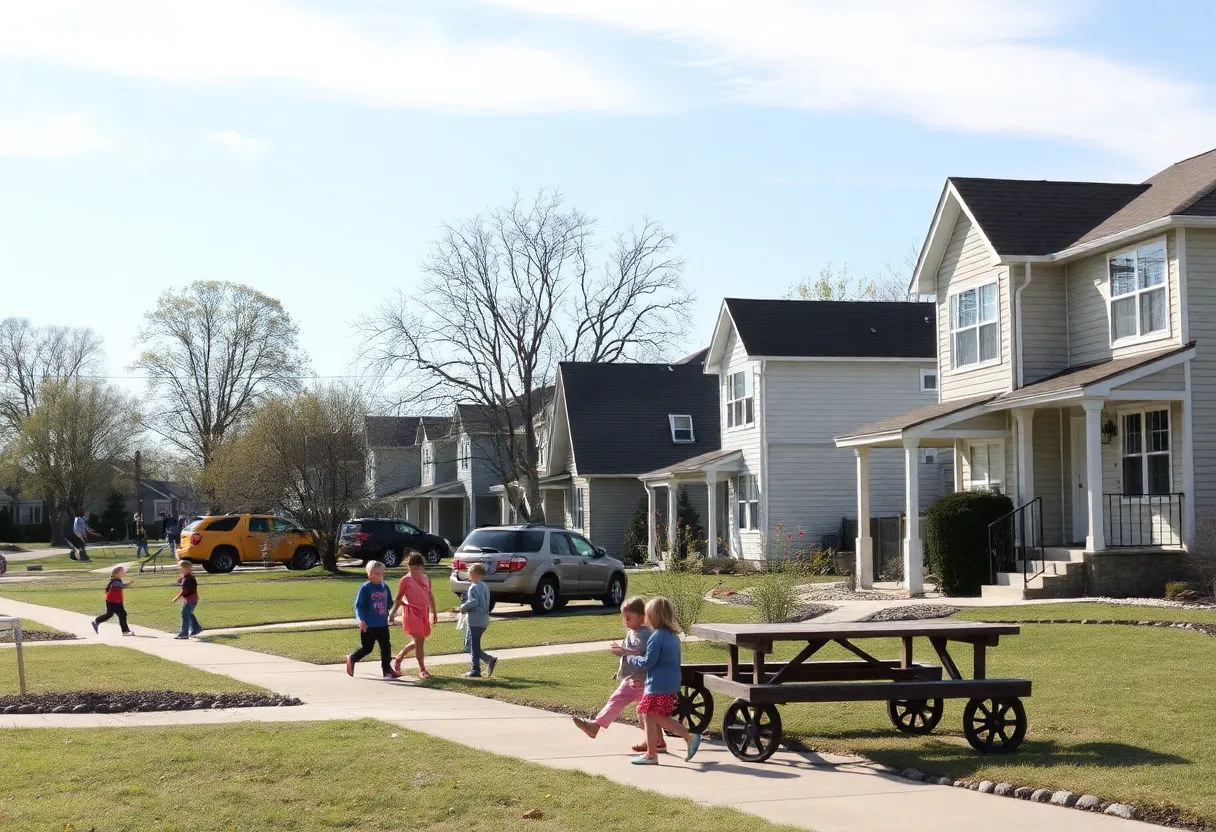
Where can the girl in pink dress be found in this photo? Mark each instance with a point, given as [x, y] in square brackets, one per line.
[415, 595]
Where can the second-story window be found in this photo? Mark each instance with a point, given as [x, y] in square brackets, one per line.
[974, 338]
[1139, 296]
[681, 428]
[465, 451]
[740, 399]
[542, 450]
[928, 381]
[427, 458]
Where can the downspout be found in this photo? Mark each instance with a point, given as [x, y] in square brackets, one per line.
[1017, 303]
[764, 527]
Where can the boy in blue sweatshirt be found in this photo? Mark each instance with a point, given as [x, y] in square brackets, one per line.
[372, 604]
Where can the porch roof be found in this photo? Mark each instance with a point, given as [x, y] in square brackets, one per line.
[453, 488]
[896, 425]
[1073, 382]
[729, 460]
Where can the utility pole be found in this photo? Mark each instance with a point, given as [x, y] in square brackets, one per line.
[139, 492]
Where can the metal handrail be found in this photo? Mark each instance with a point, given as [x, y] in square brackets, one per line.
[1169, 508]
[1010, 530]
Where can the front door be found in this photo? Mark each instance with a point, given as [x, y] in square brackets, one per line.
[1080, 504]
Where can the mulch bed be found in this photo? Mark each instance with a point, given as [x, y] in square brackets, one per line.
[6, 636]
[913, 612]
[88, 702]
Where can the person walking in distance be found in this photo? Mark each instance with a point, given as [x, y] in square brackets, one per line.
[140, 535]
[80, 537]
[173, 533]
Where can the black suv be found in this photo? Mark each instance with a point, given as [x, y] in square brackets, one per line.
[388, 541]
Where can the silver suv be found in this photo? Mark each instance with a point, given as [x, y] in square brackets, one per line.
[544, 566]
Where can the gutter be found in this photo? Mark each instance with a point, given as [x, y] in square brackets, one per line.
[1017, 303]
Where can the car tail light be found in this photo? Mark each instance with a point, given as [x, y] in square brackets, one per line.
[512, 564]
[196, 539]
[459, 565]
[361, 538]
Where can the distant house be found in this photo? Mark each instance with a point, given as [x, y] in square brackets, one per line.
[23, 511]
[393, 454]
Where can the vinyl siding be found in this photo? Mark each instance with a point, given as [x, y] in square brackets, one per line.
[1089, 314]
[611, 502]
[555, 506]
[967, 263]
[747, 439]
[394, 469]
[1048, 468]
[1171, 378]
[1044, 322]
[1201, 309]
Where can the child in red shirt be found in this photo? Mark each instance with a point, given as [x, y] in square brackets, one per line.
[114, 606]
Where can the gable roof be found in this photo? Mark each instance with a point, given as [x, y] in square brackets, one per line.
[1084, 375]
[834, 329]
[432, 428]
[697, 357]
[618, 414]
[1179, 189]
[476, 419]
[390, 431]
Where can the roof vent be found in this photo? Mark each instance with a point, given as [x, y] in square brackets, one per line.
[875, 331]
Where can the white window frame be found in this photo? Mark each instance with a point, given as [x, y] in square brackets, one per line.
[579, 496]
[29, 514]
[742, 420]
[541, 451]
[1138, 293]
[955, 367]
[986, 484]
[924, 374]
[465, 451]
[672, 420]
[747, 502]
[1143, 411]
[160, 507]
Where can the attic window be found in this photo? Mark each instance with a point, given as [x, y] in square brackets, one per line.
[681, 429]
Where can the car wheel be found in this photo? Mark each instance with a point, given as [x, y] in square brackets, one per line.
[207, 567]
[223, 560]
[390, 558]
[304, 559]
[615, 596]
[493, 603]
[545, 599]
[561, 603]
[433, 556]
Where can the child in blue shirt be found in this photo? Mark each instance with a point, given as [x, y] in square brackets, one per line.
[372, 604]
[661, 662]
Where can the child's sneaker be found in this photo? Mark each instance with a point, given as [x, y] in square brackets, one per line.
[391, 675]
[645, 760]
[350, 666]
[694, 742]
[490, 665]
[468, 674]
[129, 633]
[181, 638]
[591, 728]
[95, 628]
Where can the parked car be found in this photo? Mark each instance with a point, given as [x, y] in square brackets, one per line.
[544, 566]
[222, 543]
[389, 541]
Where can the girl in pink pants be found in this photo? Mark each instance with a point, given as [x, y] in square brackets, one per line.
[632, 679]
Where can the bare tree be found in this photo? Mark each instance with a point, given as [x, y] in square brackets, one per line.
[211, 352]
[506, 297]
[301, 455]
[31, 355]
[77, 440]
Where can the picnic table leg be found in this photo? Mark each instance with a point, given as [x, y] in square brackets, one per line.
[980, 668]
[732, 662]
[905, 657]
[20, 659]
[758, 668]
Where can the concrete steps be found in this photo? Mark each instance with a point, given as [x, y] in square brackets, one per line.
[1060, 575]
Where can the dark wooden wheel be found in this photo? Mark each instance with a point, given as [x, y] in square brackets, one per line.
[695, 708]
[994, 726]
[915, 716]
[752, 732]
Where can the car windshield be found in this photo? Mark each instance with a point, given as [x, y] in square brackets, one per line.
[503, 540]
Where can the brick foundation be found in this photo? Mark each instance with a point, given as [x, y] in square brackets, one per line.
[1131, 574]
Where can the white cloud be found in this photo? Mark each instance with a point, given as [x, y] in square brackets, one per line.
[997, 66]
[243, 146]
[41, 135]
[397, 60]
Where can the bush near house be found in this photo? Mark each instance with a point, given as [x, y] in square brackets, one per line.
[956, 539]
[635, 543]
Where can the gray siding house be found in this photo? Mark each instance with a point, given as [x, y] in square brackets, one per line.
[611, 423]
[1076, 345]
[393, 454]
[790, 375]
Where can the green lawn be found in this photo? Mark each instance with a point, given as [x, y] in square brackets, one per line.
[100, 667]
[1124, 713]
[363, 775]
[1085, 611]
[29, 546]
[99, 556]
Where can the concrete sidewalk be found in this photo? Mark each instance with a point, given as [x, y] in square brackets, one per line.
[828, 794]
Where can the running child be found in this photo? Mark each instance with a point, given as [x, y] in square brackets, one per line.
[371, 610]
[477, 607]
[114, 605]
[188, 595]
[632, 679]
[421, 613]
[662, 664]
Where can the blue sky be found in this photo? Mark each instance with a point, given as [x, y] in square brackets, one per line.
[312, 149]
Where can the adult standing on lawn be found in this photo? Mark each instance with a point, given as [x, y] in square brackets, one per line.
[79, 538]
[140, 535]
[173, 533]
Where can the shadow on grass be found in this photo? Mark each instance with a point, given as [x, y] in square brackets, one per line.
[484, 683]
[567, 612]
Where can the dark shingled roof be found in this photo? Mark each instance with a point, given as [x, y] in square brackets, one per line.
[618, 414]
[697, 357]
[1179, 189]
[835, 329]
[436, 427]
[915, 417]
[478, 420]
[390, 431]
[1075, 378]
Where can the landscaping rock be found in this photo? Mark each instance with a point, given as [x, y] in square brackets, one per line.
[101, 708]
[1121, 810]
[1004, 789]
[114, 702]
[913, 612]
[1041, 795]
[1023, 792]
[10, 709]
[199, 704]
[986, 787]
[1088, 801]
[913, 774]
[59, 709]
[27, 709]
[945, 781]
[1064, 799]
[82, 709]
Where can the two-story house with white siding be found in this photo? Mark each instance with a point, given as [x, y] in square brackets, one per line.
[1077, 373]
[791, 375]
[393, 455]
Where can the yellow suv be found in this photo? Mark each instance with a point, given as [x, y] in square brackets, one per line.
[222, 543]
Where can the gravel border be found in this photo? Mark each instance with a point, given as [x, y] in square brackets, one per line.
[117, 702]
[913, 612]
[6, 637]
[1195, 626]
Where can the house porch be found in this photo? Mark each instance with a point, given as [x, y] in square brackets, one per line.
[706, 477]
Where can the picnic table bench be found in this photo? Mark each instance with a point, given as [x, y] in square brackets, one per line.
[994, 720]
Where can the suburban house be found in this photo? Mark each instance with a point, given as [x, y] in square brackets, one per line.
[25, 515]
[611, 423]
[394, 457]
[1077, 373]
[790, 376]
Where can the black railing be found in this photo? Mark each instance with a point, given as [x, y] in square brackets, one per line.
[1143, 520]
[1015, 542]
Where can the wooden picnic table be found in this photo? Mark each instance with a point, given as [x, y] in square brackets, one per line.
[994, 719]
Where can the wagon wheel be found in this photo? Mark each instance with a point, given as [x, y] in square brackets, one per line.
[915, 716]
[994, 726]
[695, 707]
[752, 732]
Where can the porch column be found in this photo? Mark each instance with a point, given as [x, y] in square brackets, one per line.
[1025, 440]
[652, 538]
[711, 514]
[433, 503]
[673, 491]
[864, 544]
[1095, 541]
[1188, 465]
[914, 559]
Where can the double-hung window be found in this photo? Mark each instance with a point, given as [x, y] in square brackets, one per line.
[740, 399]
[580, 498]
[465, 452]
[1146, 452]
[1139, 294]
[747, 494]
[974, 331]
[986, 461]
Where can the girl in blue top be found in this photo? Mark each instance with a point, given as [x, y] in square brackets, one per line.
[661, 662]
